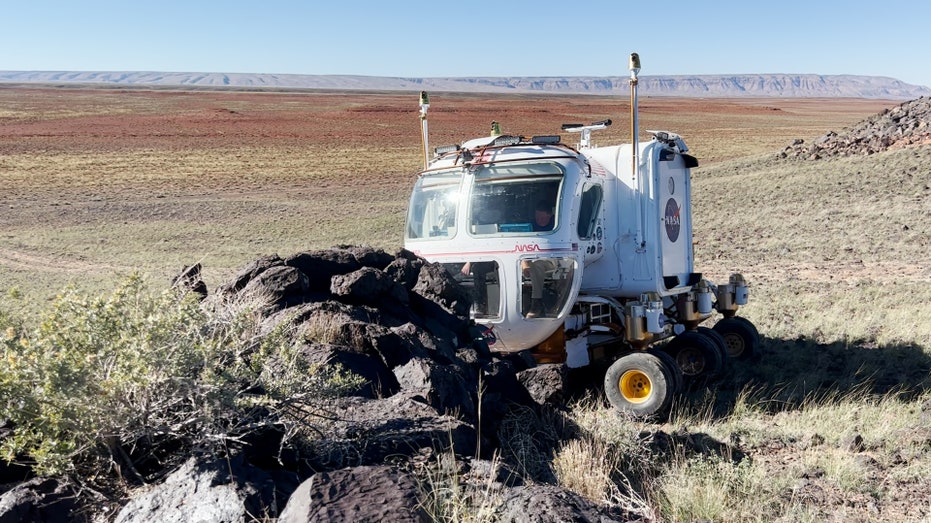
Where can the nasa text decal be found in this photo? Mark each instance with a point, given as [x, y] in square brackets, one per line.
[672, 220]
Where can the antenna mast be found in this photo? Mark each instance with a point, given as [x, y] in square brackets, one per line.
[634, 66]
[424, 105]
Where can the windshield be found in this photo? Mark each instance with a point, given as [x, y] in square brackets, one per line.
[515, 198]
[432, 213]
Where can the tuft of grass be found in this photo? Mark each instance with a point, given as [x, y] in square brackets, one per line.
[599, 471]
[449, 496]
[715, 489]
[587, 467]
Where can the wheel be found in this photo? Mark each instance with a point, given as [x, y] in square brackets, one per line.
[719, 344]
[674, 374]
[740, 336]
[638, 383]
[748, 323]
[697, 355]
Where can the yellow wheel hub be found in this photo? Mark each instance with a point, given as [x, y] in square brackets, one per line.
[635, 386]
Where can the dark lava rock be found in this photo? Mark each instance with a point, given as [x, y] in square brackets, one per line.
[368, 493]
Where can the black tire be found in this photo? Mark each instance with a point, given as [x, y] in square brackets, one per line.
[676, 379]
[697, 355]
[748, 323]
[719, 343]
[740, 337]
[638, 384]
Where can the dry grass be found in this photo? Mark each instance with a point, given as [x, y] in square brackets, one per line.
[835, 455]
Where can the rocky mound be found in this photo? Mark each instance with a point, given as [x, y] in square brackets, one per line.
[432, 389]
[905, 125]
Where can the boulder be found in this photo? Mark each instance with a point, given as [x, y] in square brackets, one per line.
[368, 493]
[369, 256]
[552, 504]
[545, 383]
[39, 499]
[280, 286]
[397, 345]
[368, 286]
[206, 489]
[380, 381]
[404, 271]
[189, 280]
[321, 266]
[445, 387]
[500, 377]
[316, 316]
[436, 285]
[250, 271]
[357, 431]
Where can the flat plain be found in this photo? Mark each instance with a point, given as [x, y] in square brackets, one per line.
[99, 183]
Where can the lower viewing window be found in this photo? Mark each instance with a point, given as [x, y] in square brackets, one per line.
[482, 279]
[545, 286]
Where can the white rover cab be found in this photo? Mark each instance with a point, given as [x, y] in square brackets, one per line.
[582, 255]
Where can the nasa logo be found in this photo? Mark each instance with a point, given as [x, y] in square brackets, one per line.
[527, 247]
[672, 220]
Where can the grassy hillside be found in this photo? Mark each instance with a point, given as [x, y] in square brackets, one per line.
[837, 249]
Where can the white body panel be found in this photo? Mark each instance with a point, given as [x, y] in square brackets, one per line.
[648, 233]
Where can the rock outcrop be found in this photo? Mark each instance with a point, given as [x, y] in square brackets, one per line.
[205, 489]
[905, 125]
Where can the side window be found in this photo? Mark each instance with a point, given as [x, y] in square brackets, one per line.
[589, 208]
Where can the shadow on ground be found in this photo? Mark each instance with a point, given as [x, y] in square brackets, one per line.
[787, 372]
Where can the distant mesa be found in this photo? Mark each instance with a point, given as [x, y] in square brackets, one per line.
[711, 86]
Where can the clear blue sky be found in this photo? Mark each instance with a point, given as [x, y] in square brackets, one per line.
[480, 38]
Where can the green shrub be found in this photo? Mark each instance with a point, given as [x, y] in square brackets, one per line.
[99, 375]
